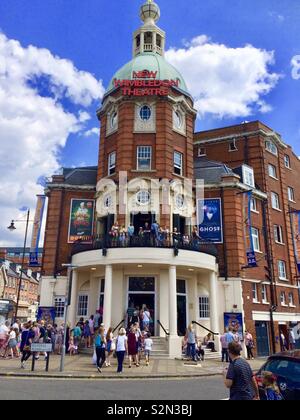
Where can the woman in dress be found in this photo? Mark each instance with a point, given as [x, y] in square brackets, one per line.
[132, 347]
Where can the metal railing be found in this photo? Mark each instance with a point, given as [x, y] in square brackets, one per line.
[206, 329]
[119, 325]
[146, 240]
[163, 328]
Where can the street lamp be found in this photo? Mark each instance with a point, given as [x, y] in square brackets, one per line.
[13, 228]
[70, 268]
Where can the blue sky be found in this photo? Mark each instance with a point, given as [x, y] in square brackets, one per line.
[96, 36]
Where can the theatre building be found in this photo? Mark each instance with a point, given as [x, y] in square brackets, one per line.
[196, 267]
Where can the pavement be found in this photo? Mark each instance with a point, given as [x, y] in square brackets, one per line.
[81, 367]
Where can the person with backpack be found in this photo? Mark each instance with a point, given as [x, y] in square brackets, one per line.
[270, 386]
[100, 346]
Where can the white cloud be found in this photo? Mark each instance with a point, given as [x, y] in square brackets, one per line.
[34, 126]
[225, 82]
[93, 132]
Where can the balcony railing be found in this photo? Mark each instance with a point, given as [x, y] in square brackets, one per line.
[147, 240]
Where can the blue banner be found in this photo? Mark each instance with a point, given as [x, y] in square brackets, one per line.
[34, 259]
[46, 314]
[251, 257]
[234, 322]
[209, 213]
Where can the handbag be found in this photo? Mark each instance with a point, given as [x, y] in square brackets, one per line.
[113, 346]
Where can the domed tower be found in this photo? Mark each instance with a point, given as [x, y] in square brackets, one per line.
[147, 126]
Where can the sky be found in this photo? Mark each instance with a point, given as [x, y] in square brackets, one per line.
[239, 58]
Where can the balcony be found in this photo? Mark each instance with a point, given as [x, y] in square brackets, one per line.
[163, 241]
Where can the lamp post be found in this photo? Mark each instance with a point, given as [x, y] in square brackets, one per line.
[70, 268]
[12, 228]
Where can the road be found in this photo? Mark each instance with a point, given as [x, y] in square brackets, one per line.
[44, 389]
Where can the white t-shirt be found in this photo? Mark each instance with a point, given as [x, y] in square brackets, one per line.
[121, 343]
[148, 344]
[12, 335]
[146, 316]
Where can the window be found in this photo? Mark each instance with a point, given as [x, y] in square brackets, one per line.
[143, 197]
[179, 200]
[282, 299]
[291, 299]
[145, 113]
[144, 157]
[254, 292]
[253, 205]
[142, 284]
[114, 120]
[278, 234]
[112, 163]
[83, 305]
[275, 201]
[270, 147]
[178, 163]
[264, 293]
[178, 119]
[272, 171]
[282, 270]
[287, 161]
[204, 307]
[248, 176]
[201, 151]
[255, 238]
[232, 146]
[291, 194]
[59, 303]
[181, 287]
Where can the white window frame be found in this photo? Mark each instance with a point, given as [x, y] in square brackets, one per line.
[271, 147]
[272, 171]
[112, 160]
[283, 299]
[256, 239]
[291, 194]
[232, 146]
[275, 201]
[253, 205]
[248, 176]
[144, 152]
[204, 307]
[287, 162]
[264, 293]
[201, 151]
[282, 273]
[278, 234]
[59, 302]
[176, 165]
[80, 314]
[291, 300]
[254, 293]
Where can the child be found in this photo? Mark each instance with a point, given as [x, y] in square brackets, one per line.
[148, 348]
[271, 388]
[72, 348]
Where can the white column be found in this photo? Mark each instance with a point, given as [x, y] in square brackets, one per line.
[214, 310]
[108, 296]
[173, 301]
[74, 300]
[142, 42]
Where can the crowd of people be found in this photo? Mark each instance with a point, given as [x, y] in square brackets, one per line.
[136, 341]
[151, 235]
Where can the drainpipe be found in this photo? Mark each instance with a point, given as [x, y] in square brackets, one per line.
[224, 237]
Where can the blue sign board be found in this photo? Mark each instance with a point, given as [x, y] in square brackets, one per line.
[33, 259]
[209, 212]
[251, 258]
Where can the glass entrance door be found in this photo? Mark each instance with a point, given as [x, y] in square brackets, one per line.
[262, 337]
[141, 296]
[181, 308]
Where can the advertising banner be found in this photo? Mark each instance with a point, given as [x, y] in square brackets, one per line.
[209, 216]
[234, 321]
[296, 236]
[81, 220]
[46, 314]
